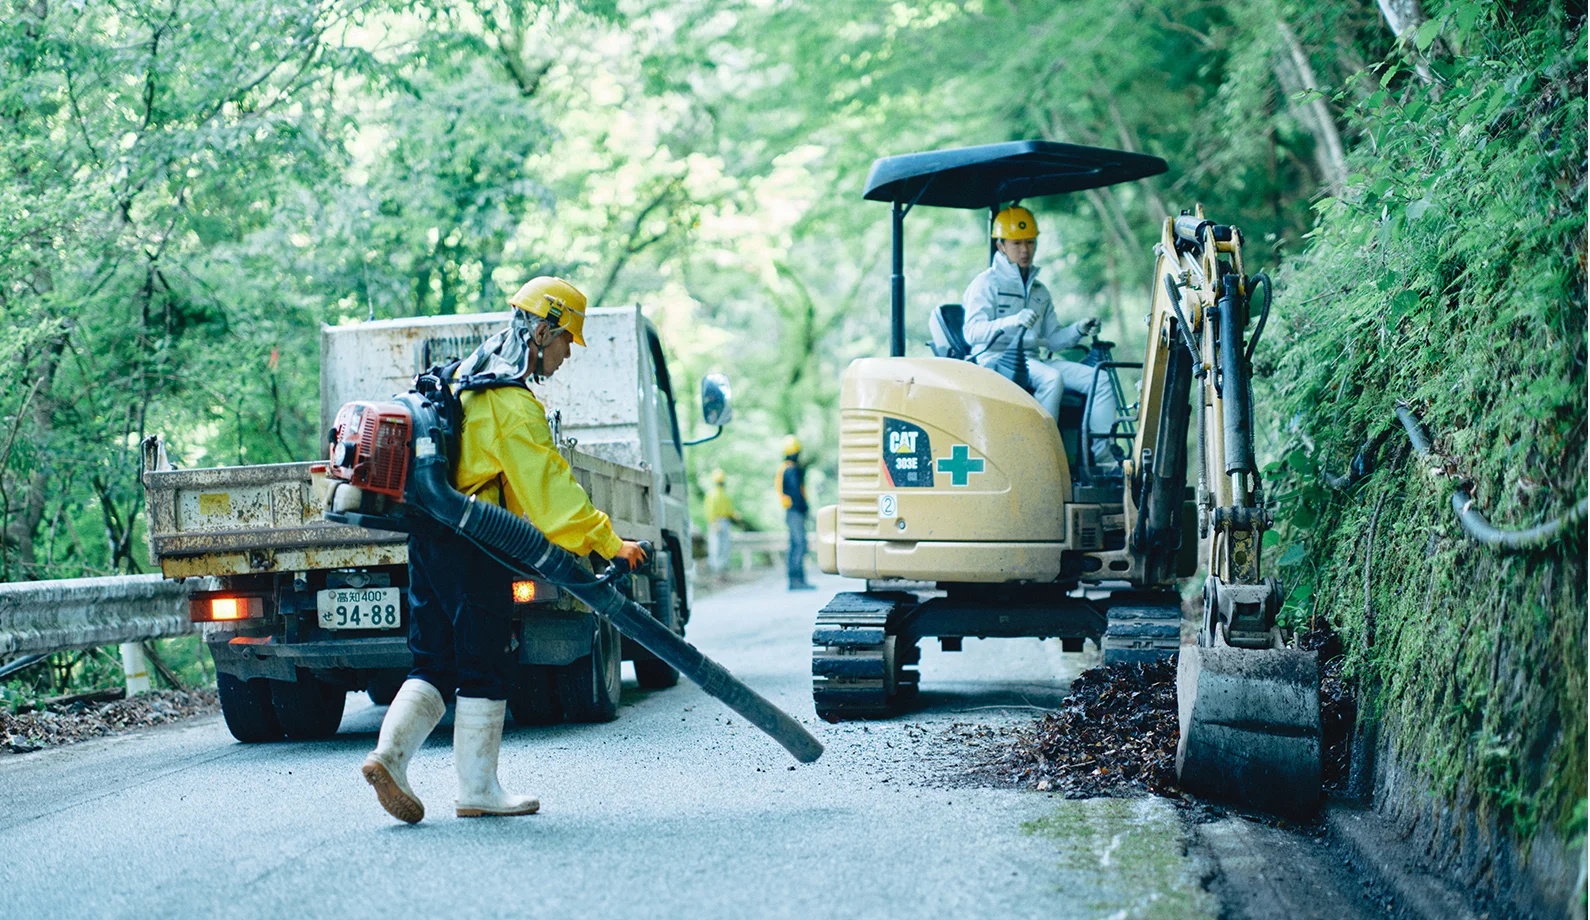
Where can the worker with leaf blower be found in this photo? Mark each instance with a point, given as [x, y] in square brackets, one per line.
[1006, 302]
[460, 601]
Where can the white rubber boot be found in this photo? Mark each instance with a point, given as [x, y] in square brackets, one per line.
[477, 736]
[415, 711]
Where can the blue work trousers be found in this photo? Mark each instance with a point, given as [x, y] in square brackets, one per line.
[460, 617]
[796, 520]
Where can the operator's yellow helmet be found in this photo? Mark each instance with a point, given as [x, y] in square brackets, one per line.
[556, 300]
[1015, 223]
[719, 477]
[792, 446]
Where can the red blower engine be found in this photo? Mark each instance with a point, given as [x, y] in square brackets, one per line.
[388, 466]
[370, 447]
[367, 463]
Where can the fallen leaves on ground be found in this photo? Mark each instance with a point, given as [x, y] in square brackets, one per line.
[80, 720]
[1115, 735]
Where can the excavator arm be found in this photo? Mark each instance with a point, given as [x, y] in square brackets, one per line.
[1249, 704]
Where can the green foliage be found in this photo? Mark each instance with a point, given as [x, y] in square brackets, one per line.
[101, 668]
[1450, 274]
[181, 211]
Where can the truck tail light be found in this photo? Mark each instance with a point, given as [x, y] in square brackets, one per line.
[222, 609]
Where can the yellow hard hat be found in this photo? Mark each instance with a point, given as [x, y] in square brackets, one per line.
[718, 477]
[560, 302]
[1015, 223]
[792, 446]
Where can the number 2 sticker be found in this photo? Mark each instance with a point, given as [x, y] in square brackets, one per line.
[887, 507]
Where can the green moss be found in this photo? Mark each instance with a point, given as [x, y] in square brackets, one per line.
[1125, 858]
[1451, 275]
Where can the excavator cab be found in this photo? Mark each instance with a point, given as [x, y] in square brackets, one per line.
[970, 511]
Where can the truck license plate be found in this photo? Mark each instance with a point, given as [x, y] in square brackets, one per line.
[359, 608]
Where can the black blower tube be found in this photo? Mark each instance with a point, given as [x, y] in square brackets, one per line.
[520, 545]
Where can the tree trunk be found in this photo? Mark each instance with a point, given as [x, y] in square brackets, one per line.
[1294, 70]
[1402, 15]
[1156, 204]
[20, 529]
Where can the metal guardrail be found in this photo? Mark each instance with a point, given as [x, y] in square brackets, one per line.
[746, 543]
[73, 613]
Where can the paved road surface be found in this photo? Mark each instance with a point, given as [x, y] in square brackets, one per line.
[675, 810]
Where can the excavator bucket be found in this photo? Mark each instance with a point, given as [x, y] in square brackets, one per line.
[1250, 727]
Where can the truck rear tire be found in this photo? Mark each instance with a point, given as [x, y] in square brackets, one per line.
[246, 707]
[591, 686]
[533, 695]
[307, 708]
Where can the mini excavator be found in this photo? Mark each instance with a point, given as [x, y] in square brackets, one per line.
[970, 511]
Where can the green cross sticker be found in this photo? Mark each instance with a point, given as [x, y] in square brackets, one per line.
[959, 464]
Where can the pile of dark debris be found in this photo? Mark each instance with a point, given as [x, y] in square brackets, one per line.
[1116, 733]
[68, 719]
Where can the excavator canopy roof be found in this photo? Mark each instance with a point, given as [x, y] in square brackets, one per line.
[991, 174]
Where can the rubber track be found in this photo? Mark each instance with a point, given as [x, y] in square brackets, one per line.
[1141, 633]
[849, 659]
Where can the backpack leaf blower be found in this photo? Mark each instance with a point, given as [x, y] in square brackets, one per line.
[388, 467]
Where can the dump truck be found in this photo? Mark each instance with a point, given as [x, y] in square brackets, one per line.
[297, 611]
[971, 511]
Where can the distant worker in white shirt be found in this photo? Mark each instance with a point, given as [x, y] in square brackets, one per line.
[1007, 298]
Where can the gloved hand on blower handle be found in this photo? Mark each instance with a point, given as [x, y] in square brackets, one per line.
[1089, 326]
[632, 553]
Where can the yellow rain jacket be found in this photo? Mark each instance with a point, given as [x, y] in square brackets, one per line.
[719, 504]
[506, 456]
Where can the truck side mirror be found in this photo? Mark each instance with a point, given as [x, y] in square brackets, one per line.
[717, 406]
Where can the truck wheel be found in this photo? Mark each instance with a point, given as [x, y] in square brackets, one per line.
[533, 695]
[590, 687]
[307, 708]
[246, 706]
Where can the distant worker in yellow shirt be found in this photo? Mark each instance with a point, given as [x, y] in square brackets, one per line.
[721, 516]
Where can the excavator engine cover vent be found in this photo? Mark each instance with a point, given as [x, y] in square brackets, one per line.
[370, 447]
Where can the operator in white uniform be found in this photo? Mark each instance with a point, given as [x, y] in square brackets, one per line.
[1007, 298]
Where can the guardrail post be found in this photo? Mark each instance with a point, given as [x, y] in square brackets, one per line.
[136, 665]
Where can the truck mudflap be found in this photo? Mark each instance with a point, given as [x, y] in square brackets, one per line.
[1250, 726]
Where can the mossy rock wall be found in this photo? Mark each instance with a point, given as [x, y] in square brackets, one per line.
[1450, 275]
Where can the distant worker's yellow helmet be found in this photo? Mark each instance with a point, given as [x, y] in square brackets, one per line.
[1015, 223]
[719, 477]
[558, 301]
[792, 446]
